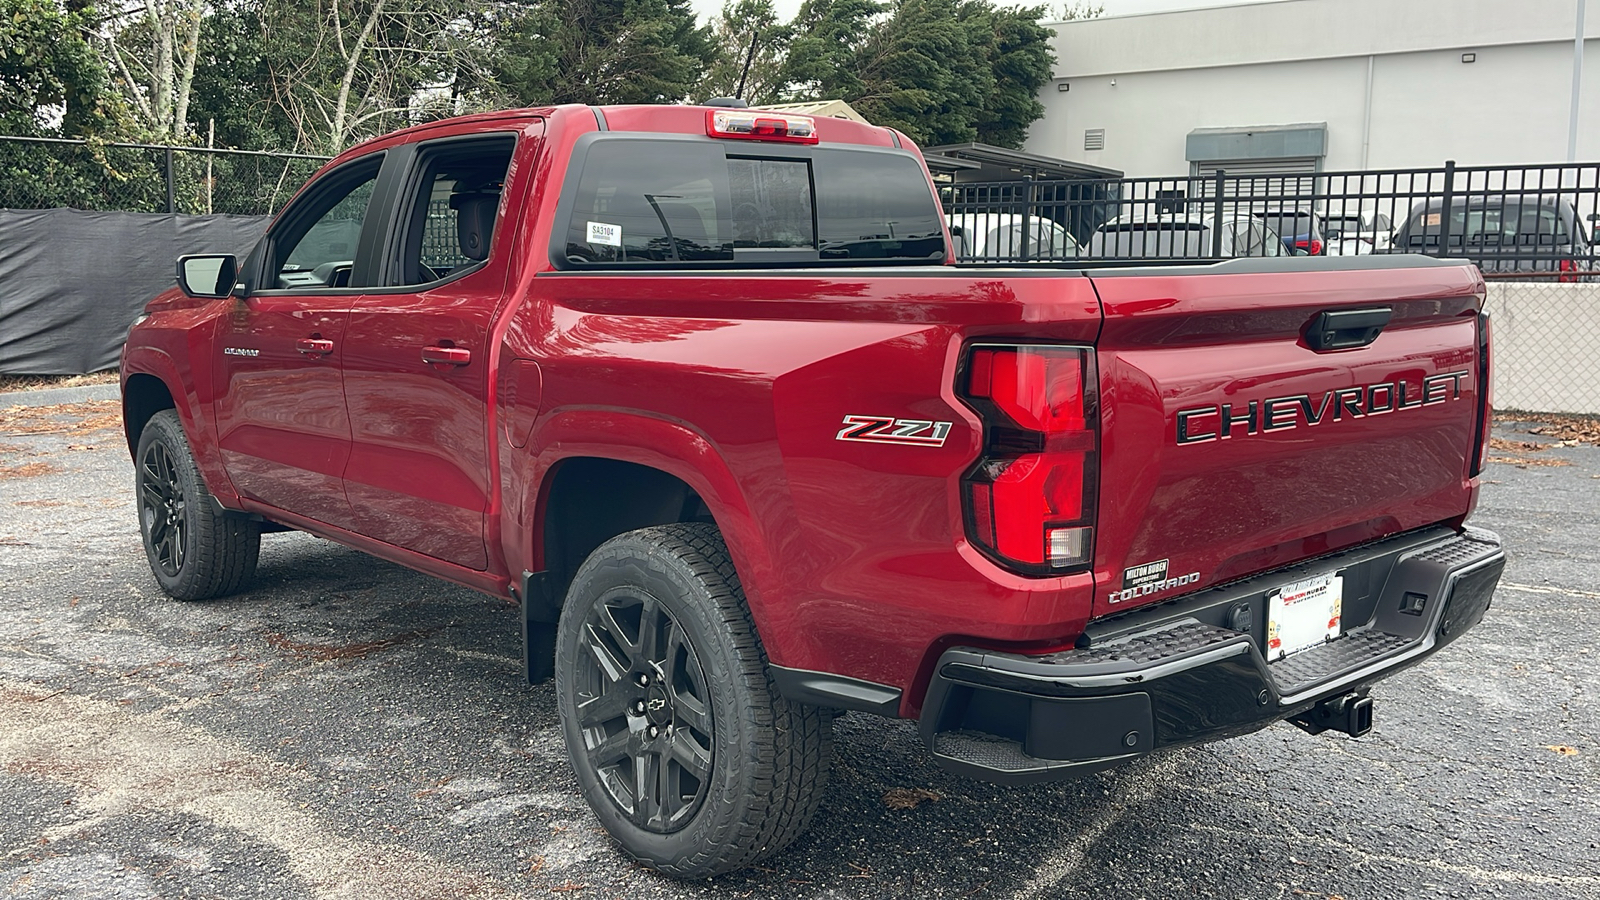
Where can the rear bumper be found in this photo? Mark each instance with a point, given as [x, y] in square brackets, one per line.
[1192, 671]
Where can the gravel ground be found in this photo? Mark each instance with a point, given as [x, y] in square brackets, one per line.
[347, 728]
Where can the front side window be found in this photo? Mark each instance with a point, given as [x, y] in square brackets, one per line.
[652, 202]
[315, 243]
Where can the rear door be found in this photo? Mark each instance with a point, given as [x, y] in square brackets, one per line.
[416, 367]
[1231, 445]
[281, 420]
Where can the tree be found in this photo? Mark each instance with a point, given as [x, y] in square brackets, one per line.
[942, 71]
[827, 36]
[1079, 9]
[51, 80]
[233, 82]
[920, 72]
[603, 51]
[152, 45]
[750, 45]
[1017, 52]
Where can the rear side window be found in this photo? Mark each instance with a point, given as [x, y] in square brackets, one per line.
[656, 202]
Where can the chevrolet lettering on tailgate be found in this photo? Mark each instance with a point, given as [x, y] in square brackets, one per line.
[1219, 421]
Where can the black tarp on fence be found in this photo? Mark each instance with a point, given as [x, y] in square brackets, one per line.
[71, 282]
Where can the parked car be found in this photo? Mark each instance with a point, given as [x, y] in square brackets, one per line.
[1178, 236]
[1008, 237]
[1299, 229]
[1504, 233]
[700, 391]
[1353, 234]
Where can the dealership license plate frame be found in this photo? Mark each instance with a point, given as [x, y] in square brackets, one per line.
[1304, 614]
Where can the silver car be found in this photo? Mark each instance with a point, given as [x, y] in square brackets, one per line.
[1184, 237]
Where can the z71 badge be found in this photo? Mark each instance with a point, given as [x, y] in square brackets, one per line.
[888, 430]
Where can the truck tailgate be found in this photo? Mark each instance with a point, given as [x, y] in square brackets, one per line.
[1231, 446]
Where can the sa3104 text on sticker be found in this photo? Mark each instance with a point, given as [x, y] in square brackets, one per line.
[603, 233]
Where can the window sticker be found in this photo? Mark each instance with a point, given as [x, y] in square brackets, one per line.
[602, 233]
[1432, 220]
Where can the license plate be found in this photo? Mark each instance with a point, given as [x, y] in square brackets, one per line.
[1304, 614]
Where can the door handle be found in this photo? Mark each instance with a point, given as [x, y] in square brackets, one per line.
[1346, 328]
[446, 356]
[314, 346]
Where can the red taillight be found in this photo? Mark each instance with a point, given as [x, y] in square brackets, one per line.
[1030, 500]
[1568, 265]
[1485, 391]
[754, 125]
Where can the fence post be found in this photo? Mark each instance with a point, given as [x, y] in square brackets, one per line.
[1216, 216]
[172, 187]
[1028, 198]
[1444, 207]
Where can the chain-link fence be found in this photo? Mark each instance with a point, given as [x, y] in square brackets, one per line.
[50, 173]
[1546, 346]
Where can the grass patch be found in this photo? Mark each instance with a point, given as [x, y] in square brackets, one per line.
[61, 418]
[9, 383]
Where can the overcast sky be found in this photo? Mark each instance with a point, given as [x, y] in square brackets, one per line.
[787, 8]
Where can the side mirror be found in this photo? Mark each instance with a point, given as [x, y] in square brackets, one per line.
[208, 276]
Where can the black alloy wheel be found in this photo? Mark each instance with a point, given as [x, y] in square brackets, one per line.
[163, 509]
[681, 743]
[197, 550]
[644, 710]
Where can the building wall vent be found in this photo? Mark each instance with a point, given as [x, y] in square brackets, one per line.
[1094, 139]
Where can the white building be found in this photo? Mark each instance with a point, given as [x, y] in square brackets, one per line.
[1330, 85]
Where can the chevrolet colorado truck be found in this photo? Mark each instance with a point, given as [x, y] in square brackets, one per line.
[702, 391]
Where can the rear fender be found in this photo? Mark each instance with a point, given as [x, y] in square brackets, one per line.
[665, 445]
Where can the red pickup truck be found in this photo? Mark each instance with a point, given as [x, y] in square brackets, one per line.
[701, 389]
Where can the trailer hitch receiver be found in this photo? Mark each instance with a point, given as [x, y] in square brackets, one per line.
[1350, 713]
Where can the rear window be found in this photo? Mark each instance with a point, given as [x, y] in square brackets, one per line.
[1492, 225]
[1288, 221]
[1152, 226]
[1152, 240]
[656, 202]
[1334, 226]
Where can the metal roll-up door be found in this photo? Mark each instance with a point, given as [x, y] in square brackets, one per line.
[1260, 183]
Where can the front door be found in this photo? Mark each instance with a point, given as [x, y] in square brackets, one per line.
[282, 424]
[416, 364]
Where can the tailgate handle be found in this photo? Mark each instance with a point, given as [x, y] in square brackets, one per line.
[1342, 329]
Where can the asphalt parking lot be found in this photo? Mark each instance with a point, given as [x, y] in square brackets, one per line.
[346, 728]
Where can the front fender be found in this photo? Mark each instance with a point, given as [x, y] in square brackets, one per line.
[157, 363]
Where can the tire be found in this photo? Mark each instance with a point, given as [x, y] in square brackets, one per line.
[196, 551]
[737, 770]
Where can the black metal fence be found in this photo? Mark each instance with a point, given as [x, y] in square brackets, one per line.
[53, 173]
[1529, 221]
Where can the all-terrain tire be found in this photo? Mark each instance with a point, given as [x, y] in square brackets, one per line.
[768, 757]
[196, 550]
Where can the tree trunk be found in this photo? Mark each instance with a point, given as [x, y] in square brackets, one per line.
[190, 51]
[160, 69]
[341, 108]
